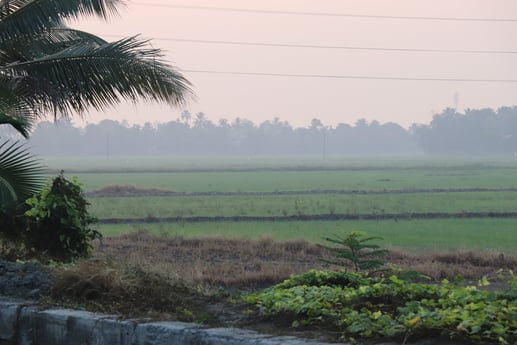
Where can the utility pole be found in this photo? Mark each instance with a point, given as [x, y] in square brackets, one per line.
[108, 146]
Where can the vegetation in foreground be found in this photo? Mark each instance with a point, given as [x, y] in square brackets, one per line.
[359, 307]
[54, 223]
[151, 277]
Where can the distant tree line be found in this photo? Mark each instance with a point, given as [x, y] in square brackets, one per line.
[476, 132]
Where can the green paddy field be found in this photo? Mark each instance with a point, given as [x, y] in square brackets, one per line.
[242, 187]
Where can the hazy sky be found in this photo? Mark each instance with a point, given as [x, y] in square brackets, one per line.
[332, 100]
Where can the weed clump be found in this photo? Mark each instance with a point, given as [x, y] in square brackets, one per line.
[107, 286]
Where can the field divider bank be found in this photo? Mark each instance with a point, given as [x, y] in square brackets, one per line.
[314, 217]
[135, 192]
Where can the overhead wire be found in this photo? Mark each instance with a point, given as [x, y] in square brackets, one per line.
[330, 76]
[337, 47]
[324, 14]
[294, 75]
[288, 45]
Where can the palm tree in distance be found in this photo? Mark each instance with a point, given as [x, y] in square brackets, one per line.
[47, 68]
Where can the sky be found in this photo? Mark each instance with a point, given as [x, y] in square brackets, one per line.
[336, 96]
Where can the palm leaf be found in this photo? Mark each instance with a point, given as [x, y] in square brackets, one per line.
[51, 41]
[85, 75]
[27, 17]
[21, 124]
[20, 172]
[15, 108]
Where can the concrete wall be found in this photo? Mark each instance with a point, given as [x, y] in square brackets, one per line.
[24, 324]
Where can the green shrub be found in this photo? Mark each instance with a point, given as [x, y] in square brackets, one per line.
[325, 278]
[58, 223]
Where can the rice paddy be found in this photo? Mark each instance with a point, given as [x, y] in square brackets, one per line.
[235, 188]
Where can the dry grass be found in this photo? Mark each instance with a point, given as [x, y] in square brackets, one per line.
[230, 263]
[248, 264]
[110, 286]
[175, 278]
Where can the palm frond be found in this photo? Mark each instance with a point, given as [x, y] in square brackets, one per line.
[21, 124]
[15, 104]
[69, 37]
[26, 17]
[84, 76]
[20, 172]
[51, 41]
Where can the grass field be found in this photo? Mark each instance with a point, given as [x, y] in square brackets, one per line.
[232, 174]
[270, 175]
[304, 180]
[178, 164]
[416, 236]
[287, 205]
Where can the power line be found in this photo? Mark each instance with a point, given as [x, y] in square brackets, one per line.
[329, 76]
[290, 45]
[311, 46]
[324, 14]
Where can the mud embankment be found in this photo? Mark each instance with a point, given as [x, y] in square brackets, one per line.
[314, 217]
[131, 191]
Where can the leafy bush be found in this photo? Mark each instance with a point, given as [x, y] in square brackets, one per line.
[325, 278]
[358, 251]
[58, 221]
[390, 307]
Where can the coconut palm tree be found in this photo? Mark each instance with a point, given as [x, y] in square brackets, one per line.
[48, 68]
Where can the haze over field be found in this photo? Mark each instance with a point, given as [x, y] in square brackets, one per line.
[477, 132]
[264, 37]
